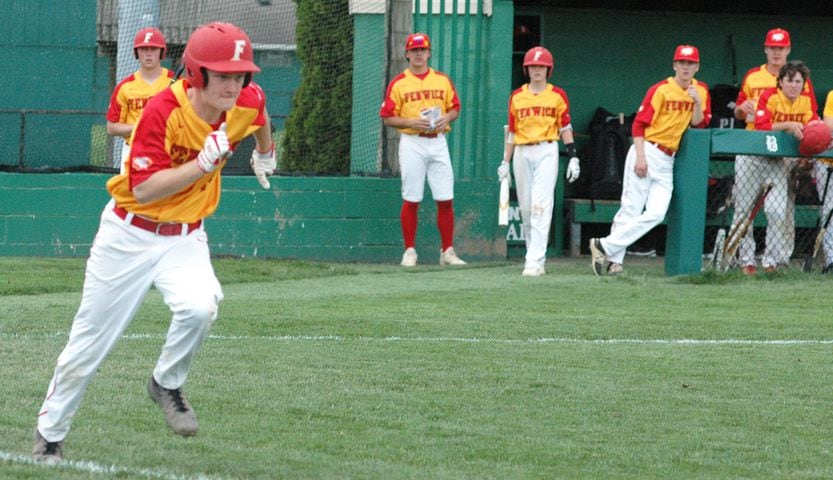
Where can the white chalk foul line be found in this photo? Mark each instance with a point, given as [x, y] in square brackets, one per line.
[540, 340]
[97, 469]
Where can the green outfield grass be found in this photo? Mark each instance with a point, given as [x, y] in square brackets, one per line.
[370, 371]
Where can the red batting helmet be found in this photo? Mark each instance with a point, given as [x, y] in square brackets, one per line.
[816, 138]
[149, 37]
[219, 47]
[417, 40]
[538, 56]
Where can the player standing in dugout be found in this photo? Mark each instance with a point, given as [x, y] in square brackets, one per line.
[752, 170]
[152, 234]
[421, 103]
[670, 107]
[134, 92]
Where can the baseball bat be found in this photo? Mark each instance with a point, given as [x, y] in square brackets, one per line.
[808, 262]
[717, 254]
[503, 201]
[737, 232]
[817, 243]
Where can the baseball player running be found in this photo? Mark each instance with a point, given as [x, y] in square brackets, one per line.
[132, 94]
[669, 108]
[152, 234]
[539, 115]
[421, 103]
[752, 170]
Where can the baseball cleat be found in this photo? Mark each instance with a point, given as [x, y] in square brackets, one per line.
[597, 256]
[749, 270]
[409, 258]
[533, 272]
[614, 268]
[50, 453]
[178, 412]
[448, 257]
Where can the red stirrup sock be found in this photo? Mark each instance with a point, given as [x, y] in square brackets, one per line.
[445, 223]
[408, 218]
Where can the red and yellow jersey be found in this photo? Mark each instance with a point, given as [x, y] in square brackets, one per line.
[535, 118]
[756, 81]
[132, 94]
[170, 134]
[828, 105]
[409, 94]
[775, 107]
[666, 113]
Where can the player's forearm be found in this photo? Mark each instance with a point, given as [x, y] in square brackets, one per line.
[117, 129]
[263, 137]
[165, 183]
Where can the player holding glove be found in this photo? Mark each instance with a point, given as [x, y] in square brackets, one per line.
[539, 116]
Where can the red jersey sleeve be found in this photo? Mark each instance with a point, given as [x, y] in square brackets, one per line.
[645, 114]
[148, 154]
[763, 114]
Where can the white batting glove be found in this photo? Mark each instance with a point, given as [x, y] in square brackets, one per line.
[263, 164]
[215, 149]
[502, 171]
[573, 170]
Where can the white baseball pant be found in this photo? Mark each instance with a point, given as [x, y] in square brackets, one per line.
[644, 201]
[421, 158]
[750, 172]
[820, 171]
[536, 169]
[125, 261]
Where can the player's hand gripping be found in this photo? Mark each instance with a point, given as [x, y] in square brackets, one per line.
[502, 171]
[263, 164]
[215, 149]
[573, 170]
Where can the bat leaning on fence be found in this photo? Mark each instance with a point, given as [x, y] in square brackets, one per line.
[738, 231]
[808, 263]
[821, 228]
[503, 200]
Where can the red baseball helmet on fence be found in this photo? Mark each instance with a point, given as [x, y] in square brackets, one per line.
[538, 56]
[219, 47]
[417, 40]
[817, 138]
[149, 37]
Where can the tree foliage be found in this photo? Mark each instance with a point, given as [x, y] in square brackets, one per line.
[317, 138]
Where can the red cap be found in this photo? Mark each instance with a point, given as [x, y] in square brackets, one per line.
[417, 40]
[688, 53]
[777, 37]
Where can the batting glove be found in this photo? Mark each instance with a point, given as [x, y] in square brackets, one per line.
[573, 170]
[263, 164]
[503, 171]
[215, 149]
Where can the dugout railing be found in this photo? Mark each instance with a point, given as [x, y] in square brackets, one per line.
[686, 220]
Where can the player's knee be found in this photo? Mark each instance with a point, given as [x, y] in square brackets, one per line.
[199, 313]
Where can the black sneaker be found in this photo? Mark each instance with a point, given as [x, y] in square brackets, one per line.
[827, 269]
[178, 412]
[47, 452]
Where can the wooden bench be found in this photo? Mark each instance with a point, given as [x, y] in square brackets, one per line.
[581, 210]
